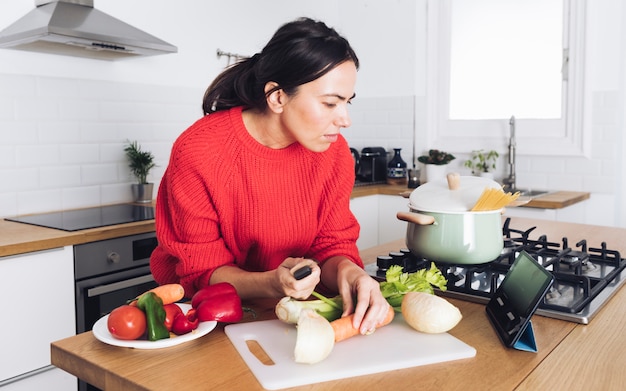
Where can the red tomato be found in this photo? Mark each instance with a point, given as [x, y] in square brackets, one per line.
[171, 310]
[127, 322]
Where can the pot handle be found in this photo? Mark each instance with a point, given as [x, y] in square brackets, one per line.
[416, 218]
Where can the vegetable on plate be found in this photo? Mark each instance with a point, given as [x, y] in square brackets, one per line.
[171, 310]
[185, 323]
[152, 306]
[168, 293]
[126, 322]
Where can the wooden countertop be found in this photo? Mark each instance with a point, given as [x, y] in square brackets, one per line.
[557, 199]
[551, 200]
[19, 238]
[570, 355]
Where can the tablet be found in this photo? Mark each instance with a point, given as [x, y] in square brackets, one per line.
[517, 298]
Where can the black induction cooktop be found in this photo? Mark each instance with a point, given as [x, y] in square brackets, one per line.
[78, 219]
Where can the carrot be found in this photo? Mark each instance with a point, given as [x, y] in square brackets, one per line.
[169, 293]
[343, 326]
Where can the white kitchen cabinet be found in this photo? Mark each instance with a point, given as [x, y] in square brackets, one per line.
[37, 291]
[377, 216]
[389, 227]
[365, 209]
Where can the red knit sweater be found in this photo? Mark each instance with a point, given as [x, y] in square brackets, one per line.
[225, 199]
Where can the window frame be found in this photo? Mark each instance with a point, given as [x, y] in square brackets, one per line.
[569, 136]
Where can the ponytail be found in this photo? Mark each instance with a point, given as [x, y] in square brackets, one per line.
[299, 52]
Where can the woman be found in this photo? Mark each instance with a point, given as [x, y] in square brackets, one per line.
[260, 186]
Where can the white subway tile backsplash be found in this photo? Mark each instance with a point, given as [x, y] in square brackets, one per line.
[115, 193]
[55, 88]
[7, 110]
[547, 165]
[7, 156]
[567, 182]
[59, 176]
[19, 179]
[58, 132]
[81, 197]
[16, 86]
[583, 166]
[37, 155]
[99, 132]
[8, 203]
[76, 154]
[99, 90]
[36, 109]
[18, 133]
[39, 201]
[96, 174]
[85, 110]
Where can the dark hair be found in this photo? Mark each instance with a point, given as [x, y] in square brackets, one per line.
[299, 52]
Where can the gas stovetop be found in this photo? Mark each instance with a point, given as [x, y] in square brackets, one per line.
[79, 219]
[585, 277]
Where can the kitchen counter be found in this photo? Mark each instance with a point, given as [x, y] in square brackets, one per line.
[551, 200]
[557, 199]
[19, 238]
[570, 355]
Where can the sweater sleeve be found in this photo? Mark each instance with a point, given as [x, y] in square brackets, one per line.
[339, 228]
[190, 244]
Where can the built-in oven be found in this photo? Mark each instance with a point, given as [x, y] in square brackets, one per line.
[107, 274]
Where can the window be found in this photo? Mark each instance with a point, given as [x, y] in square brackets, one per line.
[489, 60]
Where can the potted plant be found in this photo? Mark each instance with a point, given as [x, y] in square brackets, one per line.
[435, 164]
[140, 163]
[481, 162]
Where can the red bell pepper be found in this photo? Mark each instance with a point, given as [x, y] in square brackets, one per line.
[185, 323]
[212, 291]
[219, 302]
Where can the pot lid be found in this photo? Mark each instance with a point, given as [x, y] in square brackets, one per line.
[436, 196]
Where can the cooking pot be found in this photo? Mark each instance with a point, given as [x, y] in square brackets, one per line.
[442, 228]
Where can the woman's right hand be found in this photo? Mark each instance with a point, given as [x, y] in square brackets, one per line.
[287, 285]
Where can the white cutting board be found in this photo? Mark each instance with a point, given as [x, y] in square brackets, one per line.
[394, 346]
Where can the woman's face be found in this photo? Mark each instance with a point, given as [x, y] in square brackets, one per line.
[315, 114]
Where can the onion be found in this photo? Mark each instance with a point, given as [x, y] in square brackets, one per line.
[428, 313]
[315, 338]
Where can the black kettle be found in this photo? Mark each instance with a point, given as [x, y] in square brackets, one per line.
[373, 166]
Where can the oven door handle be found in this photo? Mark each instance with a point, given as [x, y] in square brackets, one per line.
[116, 286]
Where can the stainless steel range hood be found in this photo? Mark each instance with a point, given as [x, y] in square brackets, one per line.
[76, 28]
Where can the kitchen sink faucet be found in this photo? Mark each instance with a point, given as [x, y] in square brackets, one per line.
[509, 182]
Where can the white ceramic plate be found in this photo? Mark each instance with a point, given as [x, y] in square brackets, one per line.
[101, 332]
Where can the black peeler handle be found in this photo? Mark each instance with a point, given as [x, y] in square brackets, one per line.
[303, 272]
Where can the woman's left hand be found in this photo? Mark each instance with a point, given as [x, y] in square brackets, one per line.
[371, 307]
